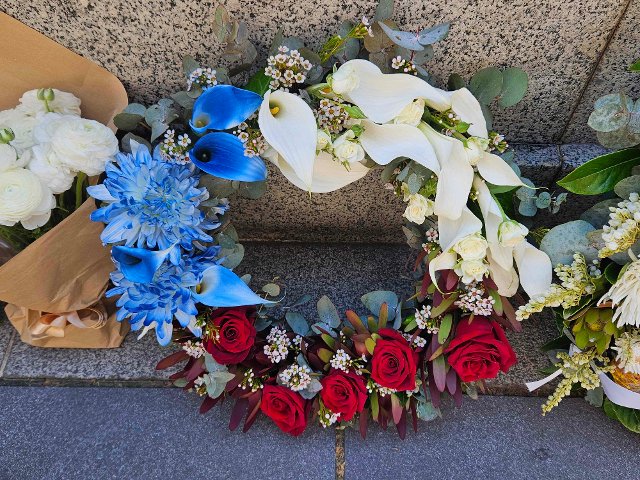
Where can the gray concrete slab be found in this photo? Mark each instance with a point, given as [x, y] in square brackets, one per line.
[7, 334]
[108, 433]
[501, 438]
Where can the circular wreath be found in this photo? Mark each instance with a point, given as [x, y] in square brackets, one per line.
[324, 119]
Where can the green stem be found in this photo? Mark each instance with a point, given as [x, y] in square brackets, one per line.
[79, 188]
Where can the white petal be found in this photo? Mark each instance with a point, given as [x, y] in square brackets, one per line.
[381, 97]
[444, 261]
[292, 132]
[534, 267]
[328, 174]
[385, 143]
[467, 107]
[492, 215]
[450, 231]
[36, 221]
[456, 174]
[496, 171]
[505, 279]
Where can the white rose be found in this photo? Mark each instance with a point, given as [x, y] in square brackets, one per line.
[63, 102]
[511, 233]
[8, 157]
[21, 125]
[418, 209]
[324, 141]
[471, 247]
[344, 80]
[345, 150]
[471, 270]
[412, 113]
[24, 198]
[80, 144]
[48, 167]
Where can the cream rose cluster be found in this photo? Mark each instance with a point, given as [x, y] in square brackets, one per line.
[472, 250]
[44, 144]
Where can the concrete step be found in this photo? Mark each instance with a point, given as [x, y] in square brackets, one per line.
[146, 433]
[341, 271]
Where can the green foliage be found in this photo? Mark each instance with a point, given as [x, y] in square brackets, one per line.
[628, 417]
[217, 376]
[601, 174]
[297, 323]
[507, 86]
[530, 201]
[616, 119]
[258, 83]
[374, 300]
[635, 67]
[329, 317]
[234, 36]
[627, 186]
[564, 240]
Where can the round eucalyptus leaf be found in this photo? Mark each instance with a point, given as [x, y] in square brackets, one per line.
[598, 215]
[486, 84]
[515, 82]
[626, 187]
[563, 241]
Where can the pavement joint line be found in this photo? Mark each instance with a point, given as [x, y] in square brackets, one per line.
[340, 454]
[5, 358]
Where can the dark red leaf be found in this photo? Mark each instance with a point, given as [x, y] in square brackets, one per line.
[401, 426]
[458, 395]
[426, 281]
[208, 403]
[196, 370]
[363, 420]
[254, 409]
[452, 381]
[451, 281]
[234, 382]
[172, 359]
[433, 390]
[421, 255]
[414, 414]
[239, 409]
[177, 375]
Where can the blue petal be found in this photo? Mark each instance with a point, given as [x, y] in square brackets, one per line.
[139, 265]
[222, 107]
[221, 287]
[222, 155]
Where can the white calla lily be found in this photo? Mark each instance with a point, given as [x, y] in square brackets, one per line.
[451, 231]
[535, 269]
[506, 280]
[381, 96]
[493, 217]
[328, 174]
[444, 261]
[457, 170]
[384, 143]
[289, 126]
[467, 107]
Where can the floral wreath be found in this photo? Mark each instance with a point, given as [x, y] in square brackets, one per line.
[324, 119]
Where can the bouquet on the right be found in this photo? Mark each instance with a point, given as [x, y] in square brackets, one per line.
[596, 298]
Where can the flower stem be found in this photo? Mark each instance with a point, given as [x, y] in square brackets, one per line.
[79, 186]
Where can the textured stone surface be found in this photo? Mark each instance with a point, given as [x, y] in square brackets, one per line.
[89, 433]
[612, 74]
[142, 42]
[497, 438]
[342, 272]
[7, 333]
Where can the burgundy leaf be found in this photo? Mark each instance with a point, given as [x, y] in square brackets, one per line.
[172, 359]
[196, 370]
[208, 403]
[401, 425]
[254, 409]
[426, 282]
[239, 409]
[458, 395]
[452, 381]
[364, 418]
[414, 413]
[421, 255]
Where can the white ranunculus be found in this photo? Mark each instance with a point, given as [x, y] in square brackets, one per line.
[324, 141]
[24, 198]
[80, 144]
[8, 157]
[344, 80]
[21, 125]
[412, 113]
[471, 247]
[63, 102]
[471, 270]
[511, 233]
[418, 209]
[346, 150]
[46, 164]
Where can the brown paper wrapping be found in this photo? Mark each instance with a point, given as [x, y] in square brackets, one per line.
[68, 268]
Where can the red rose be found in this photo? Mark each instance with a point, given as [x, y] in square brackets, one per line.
[479, 350]
[235, 334]
[343, 393]
[394, 362]
[285, 407]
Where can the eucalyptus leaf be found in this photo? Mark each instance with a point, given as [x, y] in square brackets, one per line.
[135, 108]
[598, 215]
[426, 411]
[232, 257]
[379, 41]
[189, 64]
[432, 35]
[183, 99]
[384, 10]
[611, 116]
[515, 82]
[407, 40]
[125, 143]
[627, 186]
[562, 241]
[312, 390]
[455, 82]
[328, 312]
[252, 190]
[602, 173]
[618, 139]
[595, 397]
[486, 84]
[374, 300]
[157, 129]
[297, 322]
[414, 183]
[271, 289]
[543, 200]
[127, 121]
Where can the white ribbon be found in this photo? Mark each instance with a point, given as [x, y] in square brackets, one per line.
[614, 392]
[53, 325]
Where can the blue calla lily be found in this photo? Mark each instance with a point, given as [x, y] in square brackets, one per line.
[220, 287]
[139, 265]
[222, 155]
[223, 107]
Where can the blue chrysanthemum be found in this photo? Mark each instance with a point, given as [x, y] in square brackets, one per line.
[151, 203]
[168, 296]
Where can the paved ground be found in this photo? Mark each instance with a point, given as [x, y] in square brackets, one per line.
[144, 433]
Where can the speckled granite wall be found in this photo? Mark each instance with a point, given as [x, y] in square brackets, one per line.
[556, 41]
